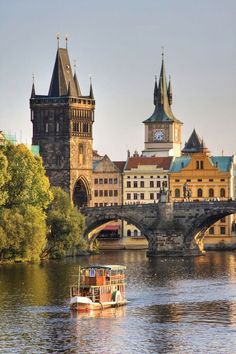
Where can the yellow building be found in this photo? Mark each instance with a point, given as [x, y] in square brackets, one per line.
[197, 176]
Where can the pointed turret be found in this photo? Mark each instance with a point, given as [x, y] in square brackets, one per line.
[62, 75]
[162, 112]
[169, 92]
[91, 95]
[69, 90]
[77, 85]
[32, 91]
[194, 144]
[155, 92]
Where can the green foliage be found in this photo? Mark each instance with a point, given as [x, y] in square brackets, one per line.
[22, 233]
[3, 178]
[24, 196]
[65, 226]
[26, 183]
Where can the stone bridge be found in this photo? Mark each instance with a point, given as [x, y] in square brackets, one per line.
[170, 228]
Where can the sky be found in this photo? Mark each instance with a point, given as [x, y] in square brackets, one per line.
[119, 43]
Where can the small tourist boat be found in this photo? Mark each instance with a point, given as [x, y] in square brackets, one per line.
[99, 287]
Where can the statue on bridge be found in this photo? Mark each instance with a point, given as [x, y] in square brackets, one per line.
[187, 192]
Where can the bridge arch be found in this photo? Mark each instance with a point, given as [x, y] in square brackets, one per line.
[102, 220]
[81, 192]
[203, 222]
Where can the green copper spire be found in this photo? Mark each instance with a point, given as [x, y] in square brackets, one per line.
[162, 99]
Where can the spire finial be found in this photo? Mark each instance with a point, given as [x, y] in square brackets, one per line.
[58, 40]
[33, 78]
[162, 52]
[66, 38]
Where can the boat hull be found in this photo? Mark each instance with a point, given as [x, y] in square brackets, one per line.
[84, 304]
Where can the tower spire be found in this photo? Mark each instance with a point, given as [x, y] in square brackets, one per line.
[155, 91]
[91, 95]
[169, 91]
[33, 88]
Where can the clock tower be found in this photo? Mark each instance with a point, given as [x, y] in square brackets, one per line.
[162, 129]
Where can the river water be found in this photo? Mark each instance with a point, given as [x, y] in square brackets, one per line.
[177, 305]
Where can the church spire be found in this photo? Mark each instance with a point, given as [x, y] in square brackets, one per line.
[162, 99]
[169, 92]
[155, 91]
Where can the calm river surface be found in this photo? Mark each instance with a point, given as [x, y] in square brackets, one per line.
[177, 305]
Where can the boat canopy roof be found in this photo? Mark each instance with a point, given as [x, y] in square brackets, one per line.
[104, 266]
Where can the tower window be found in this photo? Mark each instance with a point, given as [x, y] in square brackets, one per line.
[46, 127]
[199, 192]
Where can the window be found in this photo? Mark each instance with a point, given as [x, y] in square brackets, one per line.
[135, 196]
[222, 192]
[128, 184]
[211, 230]
[105, 180]
[115, 193]
[106, 193]
[115, 181]
[46, 127]
[158, 184]
[177, 193]
[188, 180]
[101, 193]
[151, 176]
[222, 230]
[211, 180]
[81, 149]
[128, 233]
[96, 204]
[222, 180]
[164, 183]
[128, 196]
[100, 181]
[197, 165]
[151, 184]
[110, 181]
[211, 193]
[142, 184]
[115, 204]
[199, 193]
[96, 181]
[135, 184]
[135, 176]
[111, 193]
[95, 193]
[141, 176]
[100, 204]
[222, 220]
[201, 165]
[142, 196]
[135, 233]
[57, 127]
[177, 180]
[199, 180]
[151, 195]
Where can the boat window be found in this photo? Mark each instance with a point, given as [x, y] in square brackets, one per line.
[92, 272]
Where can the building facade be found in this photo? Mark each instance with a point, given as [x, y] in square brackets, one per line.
[197, 176]
[162, 129]
[63, 129]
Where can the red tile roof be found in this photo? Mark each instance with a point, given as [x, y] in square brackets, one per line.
[161, 162]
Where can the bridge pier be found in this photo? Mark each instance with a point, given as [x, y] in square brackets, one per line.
[171, 245]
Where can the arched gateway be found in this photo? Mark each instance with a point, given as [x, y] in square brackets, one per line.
[81, 196]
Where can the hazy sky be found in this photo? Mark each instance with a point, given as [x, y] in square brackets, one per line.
[119, 44]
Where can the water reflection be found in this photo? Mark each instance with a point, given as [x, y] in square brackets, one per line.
[177, 305]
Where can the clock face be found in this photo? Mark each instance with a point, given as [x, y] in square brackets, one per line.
[158, 135]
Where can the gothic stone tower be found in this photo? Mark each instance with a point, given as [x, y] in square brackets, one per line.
[162, 129]
[62, 127]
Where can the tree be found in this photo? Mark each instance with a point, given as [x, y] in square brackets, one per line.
[27, 183]
[65, 226]
[3, 178]
[22, 232]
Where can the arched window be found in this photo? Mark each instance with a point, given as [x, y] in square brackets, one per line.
[177, 193]
[199, 192]
[128, 233]
[135, 233]
[211, 193]
[197, 165]
[222, 193]
[201, 165]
